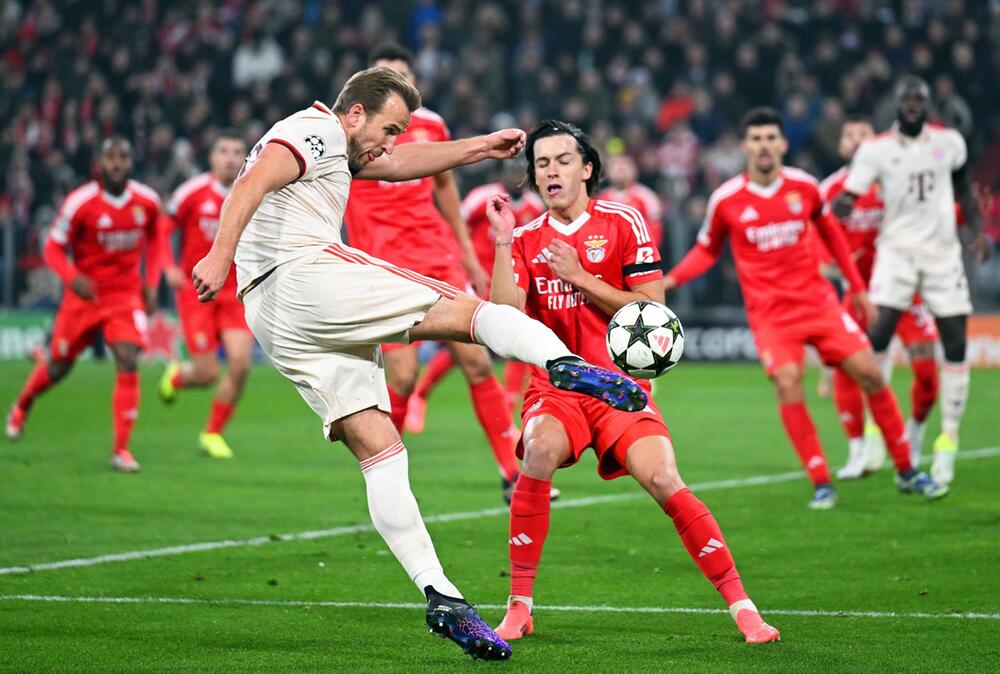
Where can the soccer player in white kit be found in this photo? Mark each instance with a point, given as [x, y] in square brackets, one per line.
[921, 170]
[320, 309]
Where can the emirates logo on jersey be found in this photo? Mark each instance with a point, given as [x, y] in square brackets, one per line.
[595, 247]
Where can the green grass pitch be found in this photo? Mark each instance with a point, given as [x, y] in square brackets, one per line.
[883, 572]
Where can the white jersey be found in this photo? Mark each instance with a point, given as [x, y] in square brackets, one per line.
[915, 179]
[306, 215]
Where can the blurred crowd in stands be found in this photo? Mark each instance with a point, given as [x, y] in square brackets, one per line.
[662, 80]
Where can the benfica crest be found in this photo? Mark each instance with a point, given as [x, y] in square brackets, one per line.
[595, 248]
[139, 214]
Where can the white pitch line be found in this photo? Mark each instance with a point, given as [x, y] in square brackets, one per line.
[429, 519]
[295, 603]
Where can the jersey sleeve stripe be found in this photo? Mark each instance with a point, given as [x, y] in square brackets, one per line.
[799, 174]
[298, 156]
[144, 191]
[186, 189]
[534, 224]
[830, 181]
[630, 215]
[77, 198]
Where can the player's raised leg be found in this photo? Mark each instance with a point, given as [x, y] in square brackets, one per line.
[125, 404]
[546, 447]
[239, 354]
[509, 333]
[416, 408]
[802, 433]
[46, 374]
[862, 367]
[370, 435]
[955, 377]
[650, 460]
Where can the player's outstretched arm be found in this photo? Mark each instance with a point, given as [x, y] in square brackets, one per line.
[274, 168]
[698, 261]
[419, 160]
[504, 289]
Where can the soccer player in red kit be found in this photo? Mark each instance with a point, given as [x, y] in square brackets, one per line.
[626, 189]
[194, 209]
[399, 223]
[916, 327]
[768, 214]
[571, 269]
[526, 206]
[106, 225]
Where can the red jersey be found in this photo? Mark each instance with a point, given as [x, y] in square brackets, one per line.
[107, 236]
[194, 208]
[398, 222]
[644, 200]
[614, 244]
[770, 233]
[528, 207]
[862, 226]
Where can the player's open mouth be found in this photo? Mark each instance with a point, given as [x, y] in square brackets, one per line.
[553, 189]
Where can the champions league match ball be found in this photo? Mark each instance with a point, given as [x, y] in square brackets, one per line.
[645, 339]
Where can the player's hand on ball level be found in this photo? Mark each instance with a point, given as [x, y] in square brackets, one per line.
[865, 307]
[501, 218]
[209, 275]
[564, 260]
[83, 287]
[504, 144]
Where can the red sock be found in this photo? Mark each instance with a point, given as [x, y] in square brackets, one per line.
[177, 381]
[398, 402]
[38, 382]
[490, 403]
[436, 369]
[219, 416]
[529, 525]
[885, 411]
[515, 373]
[802, 433]
[125, 407]
[704, 542]
[850, 402]
[924, 391]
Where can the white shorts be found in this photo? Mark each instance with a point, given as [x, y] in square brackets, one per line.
[940, 279]
[321, 319]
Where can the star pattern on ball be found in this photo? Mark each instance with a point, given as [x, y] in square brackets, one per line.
[639, 332]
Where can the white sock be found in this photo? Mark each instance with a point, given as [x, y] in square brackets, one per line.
[954, 395]
[738, 606]
[396, 517]
[884, 362]
[527, 601]
[509, 333]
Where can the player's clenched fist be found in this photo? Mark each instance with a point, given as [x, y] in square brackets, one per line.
[501, 218]
[209, 275]
[505, 144]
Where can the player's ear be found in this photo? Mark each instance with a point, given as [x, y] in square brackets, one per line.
[588, 170]
[357, 115]
[782, 144]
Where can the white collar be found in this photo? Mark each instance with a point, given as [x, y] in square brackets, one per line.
[568, 229]
[220, 189]
[764, 192]
[119, 201]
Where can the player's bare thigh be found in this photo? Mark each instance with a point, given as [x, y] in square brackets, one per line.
[546, 447]
[449, 319]
[787, 380]
[651, 461]
[366, 433]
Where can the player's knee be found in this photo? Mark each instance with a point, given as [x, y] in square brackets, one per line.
[880, 333]
[665, 483]
[543, 452]
[205, 373]
[953, 339]
[788, 384]
[870, 379]
[478, 368]
[922, 351]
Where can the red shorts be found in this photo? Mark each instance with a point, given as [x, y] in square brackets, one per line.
[592, 423]
[831, 331]
[915, 325]
[204, 322]
[120, 316]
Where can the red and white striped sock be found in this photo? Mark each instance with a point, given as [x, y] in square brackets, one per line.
[396, 517]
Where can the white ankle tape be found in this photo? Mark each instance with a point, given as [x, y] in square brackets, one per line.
[738, 606]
